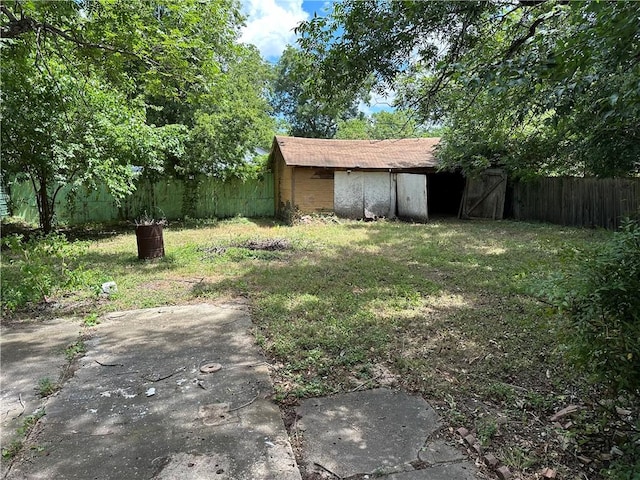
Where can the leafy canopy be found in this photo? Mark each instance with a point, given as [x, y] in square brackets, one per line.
[92, 87]
[294, 98]
[540, 86]
[383, 125]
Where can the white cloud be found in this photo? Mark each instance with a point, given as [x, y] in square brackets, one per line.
[270, 24]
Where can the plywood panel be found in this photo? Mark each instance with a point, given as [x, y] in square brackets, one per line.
[412, 197]
[377, 195]
[348, 195]
[313, 192]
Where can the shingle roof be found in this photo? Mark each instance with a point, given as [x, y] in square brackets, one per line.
[401, 153]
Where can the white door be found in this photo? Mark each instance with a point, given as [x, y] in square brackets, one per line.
[377, 195]
[348, 194]
[412, 197]
[364, 194]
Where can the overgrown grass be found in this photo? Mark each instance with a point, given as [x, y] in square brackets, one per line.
[443, 309]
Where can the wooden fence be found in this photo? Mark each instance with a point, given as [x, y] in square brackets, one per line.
[172, 199]
[584, 202]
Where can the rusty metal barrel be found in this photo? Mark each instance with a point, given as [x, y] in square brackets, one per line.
[150, 241]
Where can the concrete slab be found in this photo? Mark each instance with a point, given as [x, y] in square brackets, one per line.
[30, 352]
[380, 433]
[454, 471]
[139, 405]
[372, 432]
[438, 451]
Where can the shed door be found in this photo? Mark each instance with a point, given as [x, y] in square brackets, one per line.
[364, 194]
[412, 197]
[484, 195]
[348, 194]
[378, 195]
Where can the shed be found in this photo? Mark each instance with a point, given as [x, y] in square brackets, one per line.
[362, 178]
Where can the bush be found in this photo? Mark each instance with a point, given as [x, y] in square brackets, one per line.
[601, 302]
[35, 269]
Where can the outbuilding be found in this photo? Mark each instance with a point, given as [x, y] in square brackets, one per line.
[363, 178]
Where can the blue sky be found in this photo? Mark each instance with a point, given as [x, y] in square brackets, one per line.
[270, 25]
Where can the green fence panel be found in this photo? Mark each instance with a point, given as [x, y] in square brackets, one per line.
[86, 206]
[172, 199]
[4, 202]
[23, 201]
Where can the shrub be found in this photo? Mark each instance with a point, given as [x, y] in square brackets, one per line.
[35, 269]
[601, 302]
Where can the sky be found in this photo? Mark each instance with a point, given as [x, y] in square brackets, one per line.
[270, 23]
[270, 26]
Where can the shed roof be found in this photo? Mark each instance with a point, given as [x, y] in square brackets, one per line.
[396, 154]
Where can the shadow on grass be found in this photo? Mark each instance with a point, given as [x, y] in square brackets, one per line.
[439, 306]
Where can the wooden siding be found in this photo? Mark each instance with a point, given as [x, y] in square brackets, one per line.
[286, 184]
[586, 202]
[313, 190]
[282, 183]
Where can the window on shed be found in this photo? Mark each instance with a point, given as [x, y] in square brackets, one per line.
[323, 174]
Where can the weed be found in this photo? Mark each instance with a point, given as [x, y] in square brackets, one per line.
[486, 428]
[30, 421]
[91, 320]
[628, 466]
[47, 387]
[500, 392]
[600, 300]
[74, 350]
[16, 446]
[442, 306]
[539, 402]
[36, 268]
[455, 415]
[12, 449]
[518, 458]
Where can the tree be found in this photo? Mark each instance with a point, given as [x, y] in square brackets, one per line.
[294, 98]
[539, 86]
[382, 125]
[91, 88]
[226, 122]
[356, 128]
[58, 131]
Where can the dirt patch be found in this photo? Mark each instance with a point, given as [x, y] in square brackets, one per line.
[270, 245]
[267, 245]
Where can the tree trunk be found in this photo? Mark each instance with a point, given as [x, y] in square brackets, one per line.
[45, 207]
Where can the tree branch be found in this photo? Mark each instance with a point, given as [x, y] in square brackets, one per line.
[19, 26]
[518, 42]
[8, 13]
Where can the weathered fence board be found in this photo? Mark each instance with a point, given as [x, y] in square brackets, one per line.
[172, 199]
[4, 202]
[586, 202]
